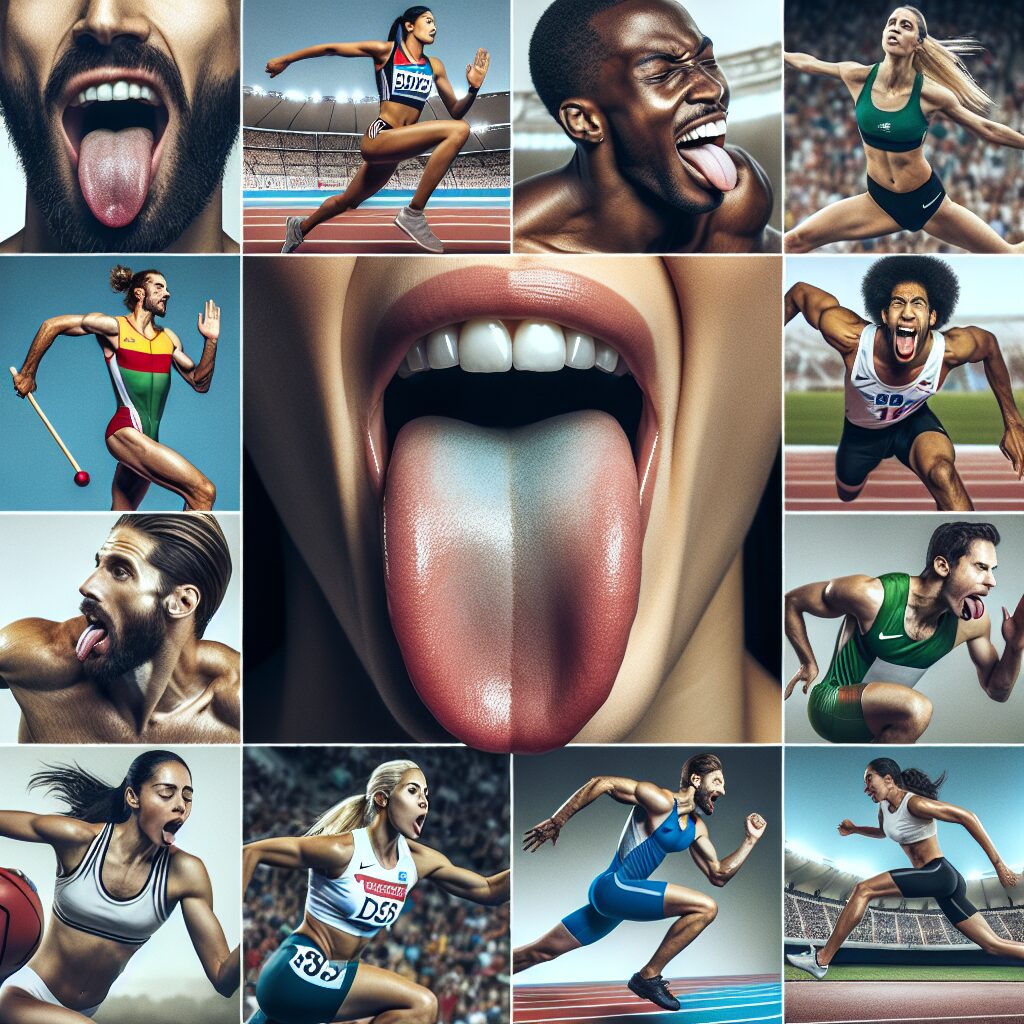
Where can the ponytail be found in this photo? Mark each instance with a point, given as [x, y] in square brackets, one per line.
[397, 33]
[911, 779]
[358, 811]
[939, 60]
[123, 280]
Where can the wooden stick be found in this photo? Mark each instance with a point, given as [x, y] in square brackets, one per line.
[49, 426]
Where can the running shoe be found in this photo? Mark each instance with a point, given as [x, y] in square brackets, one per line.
[653, 989]
[414, 224]
[292, 234]
[808, 962]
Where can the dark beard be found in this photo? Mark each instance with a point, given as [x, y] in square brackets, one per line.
[702, 798]
[207, 130]
[136, 642]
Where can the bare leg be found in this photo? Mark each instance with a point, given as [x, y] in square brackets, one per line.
[695, 912]
[932, 459]
[895, 713]
[388, 999]
[127, 490]
[854, 911]
[957, 225]
[162, 466]
[978, 930]
[550, 945]
[18, 1007]
[857, 217]
[366, 182]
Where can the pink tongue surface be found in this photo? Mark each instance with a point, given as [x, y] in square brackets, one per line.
[113, 171]
[905, 345]
[714, 163]
[91, 636]
[974, 608]
[512, 565]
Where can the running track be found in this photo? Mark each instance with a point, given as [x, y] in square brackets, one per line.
[371, 231]
[894, 1002]
[730, 1000]
[810, 483]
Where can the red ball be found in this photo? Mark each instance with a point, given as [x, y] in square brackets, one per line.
[21, 921]
[82, 478]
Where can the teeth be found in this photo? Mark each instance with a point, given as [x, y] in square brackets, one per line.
[416, 361]
[147, 94]
[90, 94]
[443, 348]
[134, 91]
[485, 347]
[120, 90]
[705, 131]
[605, 357]
[579, 350]
[104, 92]
[538, 346]
[116, 92]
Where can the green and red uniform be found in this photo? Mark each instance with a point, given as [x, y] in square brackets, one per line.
[140, 370]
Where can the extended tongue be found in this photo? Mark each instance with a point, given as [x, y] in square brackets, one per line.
[114, 173]
[512, 564]
[714, 163]
[974, 608]
[91, 636]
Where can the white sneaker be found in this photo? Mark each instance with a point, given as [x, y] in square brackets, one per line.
[807, 962]
[292, 234]
[414, 224]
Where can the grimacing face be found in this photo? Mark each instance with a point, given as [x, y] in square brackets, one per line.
[900, 36]
[164, 802]
[155, 295]
[971, 579]
[659, 82]
[478, 629]
[424, 28]
[908, 319]
[123, 114]
[408, 804]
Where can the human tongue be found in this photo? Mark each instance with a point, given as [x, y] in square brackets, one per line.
[91, 636]
[714, 163]
[114, 172]
[973, 608]
[512, 566]
[905, 345]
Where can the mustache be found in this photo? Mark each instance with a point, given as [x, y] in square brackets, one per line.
[124, 52]
[698, 110]
[90, 606]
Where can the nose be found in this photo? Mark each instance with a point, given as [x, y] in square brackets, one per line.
[88, 588]
[707, 85]
[107, 20]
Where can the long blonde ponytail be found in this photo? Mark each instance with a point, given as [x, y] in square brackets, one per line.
[939, 60]
[357, 811]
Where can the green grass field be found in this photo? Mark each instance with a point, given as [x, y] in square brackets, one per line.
[816, 417]
[911, 972]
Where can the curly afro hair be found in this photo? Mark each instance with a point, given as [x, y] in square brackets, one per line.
[934, 275]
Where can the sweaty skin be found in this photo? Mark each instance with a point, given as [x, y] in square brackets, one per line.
[627, 188]
[341, 649]
[187, 692]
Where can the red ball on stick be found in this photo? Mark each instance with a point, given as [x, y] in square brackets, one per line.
[82, 478]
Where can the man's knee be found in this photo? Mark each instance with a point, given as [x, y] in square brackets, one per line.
[425, 1006]
[710, 910]
[459, 132]
[942, 475]
[918, 710]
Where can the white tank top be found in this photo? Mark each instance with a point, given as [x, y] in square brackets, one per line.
[873, 404]
[904, 827]
[81, 900]
[366, 897]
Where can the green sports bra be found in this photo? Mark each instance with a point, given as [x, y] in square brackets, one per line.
[894, 131]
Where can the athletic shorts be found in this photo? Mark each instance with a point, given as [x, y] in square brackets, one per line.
[940, 880]
[121, 419]
[378, 126]
[836, 714]
[299, 985]
[29, 982]
[911, 210]
[614, 899]
[861, 449]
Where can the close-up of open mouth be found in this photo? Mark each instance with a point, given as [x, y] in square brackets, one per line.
[702, 150]
[95, 638]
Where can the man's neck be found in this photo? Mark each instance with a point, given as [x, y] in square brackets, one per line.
[158, 685]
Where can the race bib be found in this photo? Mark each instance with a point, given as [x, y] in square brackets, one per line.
[311, 965]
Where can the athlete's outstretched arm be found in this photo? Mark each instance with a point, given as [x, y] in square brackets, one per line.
[926, 807]
[322, 853]
[475, 73]
[847, 828]
[998, 674]
[37, 653]
[71, 324]
[652, 798]
[720, 871]
[467, 885]
[369, 48]
[814, 66]
[985, 128]
[221, 967]
[859, 596]
[201, 376]
[839, 326]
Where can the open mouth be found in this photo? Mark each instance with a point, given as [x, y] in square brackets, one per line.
[512, 440]
[905, 342]
[418, 825]
[702, 150]
[114, 125]
[95, 638]
[972, 608]
[170, 830]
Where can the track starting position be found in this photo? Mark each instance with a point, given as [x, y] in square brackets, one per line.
[405, 76]
[661, 822]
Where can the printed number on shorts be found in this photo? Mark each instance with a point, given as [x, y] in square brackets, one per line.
[381, 912]
[315, 966]
[410, 81]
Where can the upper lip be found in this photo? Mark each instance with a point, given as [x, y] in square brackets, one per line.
[721, 115]
[94, 616]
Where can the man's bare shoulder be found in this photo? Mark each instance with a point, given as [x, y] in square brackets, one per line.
[39, 652]
[543, 206]
[222, 666]
[14, 244]
[740, 224]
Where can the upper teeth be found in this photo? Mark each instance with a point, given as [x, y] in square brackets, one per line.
[115, 92]
[705, 131]
[485, 345]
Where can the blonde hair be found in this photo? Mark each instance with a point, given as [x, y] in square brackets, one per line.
[358, 811]
[938, 59]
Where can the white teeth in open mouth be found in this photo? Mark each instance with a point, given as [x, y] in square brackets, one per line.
[907, 331]
[116, 92]
[486, 346]
[704, 131]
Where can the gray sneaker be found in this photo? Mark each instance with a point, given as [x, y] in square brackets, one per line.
[414, 224]
[808, 962]
[292, 234]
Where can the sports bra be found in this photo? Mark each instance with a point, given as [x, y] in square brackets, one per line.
[894, 131]
[81, 900]
[904, 827]
[365, 897]
[401, 80]
[638, 855]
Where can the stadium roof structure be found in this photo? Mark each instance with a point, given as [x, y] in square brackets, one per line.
[276, 111]
[809, 875]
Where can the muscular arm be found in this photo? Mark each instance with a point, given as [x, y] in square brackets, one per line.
[221, 967]
[330, 854]
[475, 73]
[719, 872]
[998, 673]
[946, 101]
[839, 326]
[847, 828]
[199, 377]
[39, 654]
[69, 837]
[467, 885]
[813, 66]
[71, 324]
[369, 48]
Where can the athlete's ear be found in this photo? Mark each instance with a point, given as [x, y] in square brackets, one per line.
[182, 601]
[933, 316]
[582, 120]
[941, 566]
[131, 798]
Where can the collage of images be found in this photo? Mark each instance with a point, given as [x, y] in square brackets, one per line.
[600, 424]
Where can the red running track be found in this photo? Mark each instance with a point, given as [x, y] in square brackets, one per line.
[373, 231]
[894, 1002]
[987, 475]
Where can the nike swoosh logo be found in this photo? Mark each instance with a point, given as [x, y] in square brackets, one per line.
[924, 206]
[363, 867]
[889, 636]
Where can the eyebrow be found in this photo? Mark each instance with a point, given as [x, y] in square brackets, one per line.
[704, 44]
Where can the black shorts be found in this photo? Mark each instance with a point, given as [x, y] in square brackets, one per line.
[862, 449]
[911, 210]
[378, 126]
[940, 880]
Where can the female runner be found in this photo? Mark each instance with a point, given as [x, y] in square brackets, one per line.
[404, 78]
[119, 877]
[895, 100]
[907, 812]
[363, 860]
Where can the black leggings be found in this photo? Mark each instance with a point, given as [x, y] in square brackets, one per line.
[940, 880]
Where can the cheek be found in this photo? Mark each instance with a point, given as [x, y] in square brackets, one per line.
[30, 34]
[202, 36]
